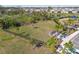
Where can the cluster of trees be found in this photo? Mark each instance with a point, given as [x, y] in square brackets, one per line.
[68, 46]
[7, 23]
[11, 11]
[52, 43]
[31, 17]
[27, 17]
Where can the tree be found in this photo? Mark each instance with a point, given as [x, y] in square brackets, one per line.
[49, 8]
[69, 45]
[70, 12]
[56, 20]
[58, 27]
[51, 43]
[8, 22]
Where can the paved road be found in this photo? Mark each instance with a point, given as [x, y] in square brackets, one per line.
[67, 39]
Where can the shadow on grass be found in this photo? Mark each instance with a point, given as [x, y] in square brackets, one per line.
[32, 40]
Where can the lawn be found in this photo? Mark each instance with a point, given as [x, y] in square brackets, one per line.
[38, 30]
[19, 45]
[11, 43]
[5, 36]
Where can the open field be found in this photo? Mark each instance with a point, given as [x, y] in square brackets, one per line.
[38, 30]
[35, 30]
[11, 43]
[17, 44]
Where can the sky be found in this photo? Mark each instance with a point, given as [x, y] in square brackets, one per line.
[39, 2]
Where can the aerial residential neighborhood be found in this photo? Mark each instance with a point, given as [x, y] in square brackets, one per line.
[39, 30]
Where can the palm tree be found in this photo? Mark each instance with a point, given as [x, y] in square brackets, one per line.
[69, 45]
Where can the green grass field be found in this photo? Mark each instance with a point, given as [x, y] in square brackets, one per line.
[13, 44]
[38, 31]
[18, 40]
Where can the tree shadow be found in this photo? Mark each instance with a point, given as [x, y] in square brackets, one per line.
[33, 41]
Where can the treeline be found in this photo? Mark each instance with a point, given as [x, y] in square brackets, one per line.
[18, 17]
[7, 23]
[15, 18]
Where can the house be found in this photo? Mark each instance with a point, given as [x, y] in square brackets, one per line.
[58, 35]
